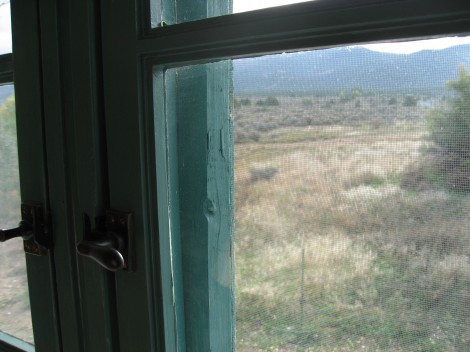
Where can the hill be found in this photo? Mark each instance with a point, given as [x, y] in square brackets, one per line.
[5, 92]
[331, 70]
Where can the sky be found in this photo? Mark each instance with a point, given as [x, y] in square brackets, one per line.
[248, 5]
[5, 25]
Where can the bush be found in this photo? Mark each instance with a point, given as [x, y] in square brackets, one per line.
[450, 133]
[450, 129]
[264, 173]
[236, 103]
[269, 101]
[410, 101]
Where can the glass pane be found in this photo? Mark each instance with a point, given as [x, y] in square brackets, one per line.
[352, 193]
[352, 200]
[162, 12]
[5, 27]
[15, 316]
[249, 5]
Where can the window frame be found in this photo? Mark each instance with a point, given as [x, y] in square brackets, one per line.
[25, 73]
[126, 30]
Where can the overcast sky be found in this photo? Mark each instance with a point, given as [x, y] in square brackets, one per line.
[5, 25]
[248, 5]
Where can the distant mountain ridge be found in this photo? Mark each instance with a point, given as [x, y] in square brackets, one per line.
[346, 68]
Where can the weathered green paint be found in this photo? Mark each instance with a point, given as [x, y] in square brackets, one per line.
[164, 97]
[203, 153]
[181, 297]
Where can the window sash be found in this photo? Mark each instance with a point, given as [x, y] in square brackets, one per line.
[132, 51]
[316, 24]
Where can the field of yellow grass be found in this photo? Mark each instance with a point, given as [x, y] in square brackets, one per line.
[334, 254]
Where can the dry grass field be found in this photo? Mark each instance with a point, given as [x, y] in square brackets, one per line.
[334, 251]
[15, 316]
[339, 244]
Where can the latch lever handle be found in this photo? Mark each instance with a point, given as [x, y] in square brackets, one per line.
[24, 230]
[103, 252]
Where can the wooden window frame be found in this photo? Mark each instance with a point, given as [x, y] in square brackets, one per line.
[128, 76]
[305, 26]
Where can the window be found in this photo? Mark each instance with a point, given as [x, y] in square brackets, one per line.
[14, 301]
[117, 110]
[188, 138]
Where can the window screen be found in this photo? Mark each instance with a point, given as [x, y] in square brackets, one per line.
[15, 315]
[352, 200]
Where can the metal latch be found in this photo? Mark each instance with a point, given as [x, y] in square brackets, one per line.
[111, 242]
[33, 229]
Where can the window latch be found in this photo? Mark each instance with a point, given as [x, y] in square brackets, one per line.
[111, 242]
[33, 229]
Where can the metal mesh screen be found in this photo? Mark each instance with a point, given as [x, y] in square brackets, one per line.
[352, 180]
[15, 315]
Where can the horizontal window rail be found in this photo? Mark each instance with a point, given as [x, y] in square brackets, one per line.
[9, 343]
[316, 24]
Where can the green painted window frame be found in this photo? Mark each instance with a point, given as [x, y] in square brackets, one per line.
[305, 26]
[55, 69]
[150, 52]
[133, 54]
[24, 70]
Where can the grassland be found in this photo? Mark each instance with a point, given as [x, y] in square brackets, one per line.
[15, 316]
[334, 251]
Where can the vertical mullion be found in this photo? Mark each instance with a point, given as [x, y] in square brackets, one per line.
[59, 176]
[164, 95]
[205, 189]
[85, 152]
[220, 215]
[128, 150]
[32, 166]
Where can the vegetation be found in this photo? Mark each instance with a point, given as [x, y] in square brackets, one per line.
[269, 101]
[410, 101]
[343, 247]
[450, 128]
[446, 161]
[14, 300]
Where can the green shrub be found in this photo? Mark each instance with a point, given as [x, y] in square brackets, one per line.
[263, 173]
[269, 101]
[236, 103]
[450, 128]
[410, 101]
[450, 133]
